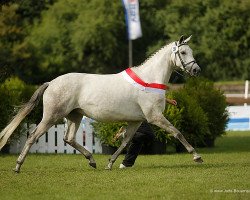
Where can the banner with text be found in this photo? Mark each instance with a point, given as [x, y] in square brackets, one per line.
[132, 18]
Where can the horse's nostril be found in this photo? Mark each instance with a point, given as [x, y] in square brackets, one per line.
[196, 71]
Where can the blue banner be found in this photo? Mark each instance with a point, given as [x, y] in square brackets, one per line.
[132, 18]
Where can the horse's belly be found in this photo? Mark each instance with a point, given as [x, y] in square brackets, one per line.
[113, 112]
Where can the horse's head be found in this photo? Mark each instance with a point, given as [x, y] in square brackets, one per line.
[182, 56]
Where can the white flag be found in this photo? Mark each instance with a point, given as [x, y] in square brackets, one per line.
[132, 18]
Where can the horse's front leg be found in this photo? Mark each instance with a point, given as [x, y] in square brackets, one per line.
[130, 132]
[163, 123]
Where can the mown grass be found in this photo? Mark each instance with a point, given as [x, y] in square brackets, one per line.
[225, 174]
[240, 82]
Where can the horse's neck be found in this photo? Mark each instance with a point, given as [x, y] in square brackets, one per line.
[158, 68]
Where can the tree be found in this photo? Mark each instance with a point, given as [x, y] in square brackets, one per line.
[80, 36]
[225, 44]
[10, 33]
[56, 37]
[221, 37]
[16, 17]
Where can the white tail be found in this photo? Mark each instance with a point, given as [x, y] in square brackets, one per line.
[23, 112]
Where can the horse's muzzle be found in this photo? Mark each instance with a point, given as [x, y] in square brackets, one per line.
[195, 71]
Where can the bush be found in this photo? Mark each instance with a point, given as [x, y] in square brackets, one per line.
[201, 113]
[188, 117]
[105, 132]
[13, 93]
[213, 103]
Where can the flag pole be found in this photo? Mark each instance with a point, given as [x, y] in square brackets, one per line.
[130, 53]
[133, 25]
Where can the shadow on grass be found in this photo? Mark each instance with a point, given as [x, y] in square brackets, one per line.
[193, 166]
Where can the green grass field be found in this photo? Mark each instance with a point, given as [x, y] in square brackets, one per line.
[225, 174]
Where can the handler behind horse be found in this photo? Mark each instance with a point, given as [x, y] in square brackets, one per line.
[144, 135]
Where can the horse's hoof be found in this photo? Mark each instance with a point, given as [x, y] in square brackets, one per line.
[17, 171]
[198, 159]
[109, 166]
[92, 165]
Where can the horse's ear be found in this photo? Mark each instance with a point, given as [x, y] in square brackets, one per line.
[181, 39]
[186, 40]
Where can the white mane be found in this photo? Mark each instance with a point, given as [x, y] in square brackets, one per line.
[155, 55]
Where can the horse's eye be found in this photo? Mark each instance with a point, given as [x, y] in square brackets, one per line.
[183, 53]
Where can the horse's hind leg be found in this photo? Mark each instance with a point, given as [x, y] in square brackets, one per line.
[73, 122]
[41, 128]
[162, 122]
[131, 129]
